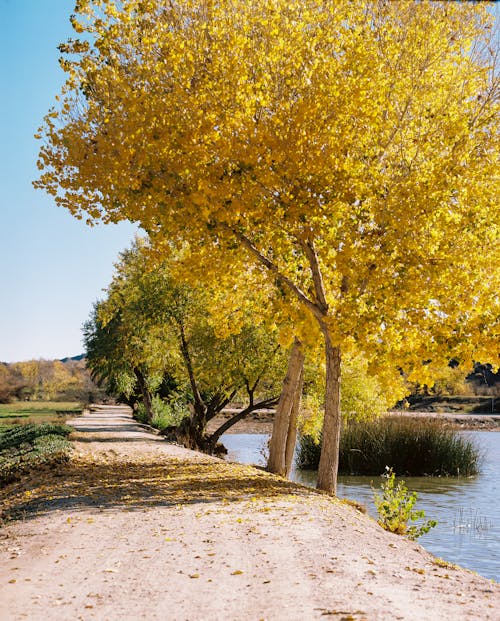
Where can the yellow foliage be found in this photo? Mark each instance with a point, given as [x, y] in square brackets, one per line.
[366, 131]
[365, 394]
[346, 151]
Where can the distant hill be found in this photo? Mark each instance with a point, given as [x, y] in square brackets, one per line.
[80, 357]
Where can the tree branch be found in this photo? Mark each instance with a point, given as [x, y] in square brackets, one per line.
[189, 366]
[213, 410]
[252, 389]
[266, 403]
[319, 288]
[273, 268]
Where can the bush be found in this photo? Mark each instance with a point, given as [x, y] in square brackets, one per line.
[408, 446]
[24, 447]
[165, 413]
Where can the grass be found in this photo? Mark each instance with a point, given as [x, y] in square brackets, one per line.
[410, 447]
[26, 447]
[37, 411]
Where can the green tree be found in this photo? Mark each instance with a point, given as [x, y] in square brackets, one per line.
[105, 356]
[172, 322]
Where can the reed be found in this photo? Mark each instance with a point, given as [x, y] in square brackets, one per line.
[409, 446]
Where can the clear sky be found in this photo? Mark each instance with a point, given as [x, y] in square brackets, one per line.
[52, 266]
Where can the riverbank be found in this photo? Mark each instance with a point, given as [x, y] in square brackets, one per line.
[136, 528]
[262, 421]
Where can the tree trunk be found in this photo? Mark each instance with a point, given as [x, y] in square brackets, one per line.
[277, 446]
[329, 460]
[146, 395]
[291, 438]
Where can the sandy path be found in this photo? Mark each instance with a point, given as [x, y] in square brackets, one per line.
[135, 528]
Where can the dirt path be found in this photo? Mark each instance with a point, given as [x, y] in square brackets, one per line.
[135, 528]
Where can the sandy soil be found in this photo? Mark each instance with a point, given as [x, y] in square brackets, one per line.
[136, 528]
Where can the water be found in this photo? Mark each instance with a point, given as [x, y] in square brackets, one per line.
[467, 509]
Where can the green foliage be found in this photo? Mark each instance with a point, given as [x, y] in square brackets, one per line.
[309, 452]
[166, 413]
[395, 508]
[366, 394]
[24, 447]
[153, 326]
[19, 434]
[414, 447]
[106, 358]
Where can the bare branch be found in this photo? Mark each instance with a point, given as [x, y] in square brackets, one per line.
[319, 288]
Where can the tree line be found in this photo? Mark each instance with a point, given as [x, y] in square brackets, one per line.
[47, 380]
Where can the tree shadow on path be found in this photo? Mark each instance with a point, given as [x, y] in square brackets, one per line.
[132, 486]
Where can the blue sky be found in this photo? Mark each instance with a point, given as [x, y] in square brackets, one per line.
[53, 267]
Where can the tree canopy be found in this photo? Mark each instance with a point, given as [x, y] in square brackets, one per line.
[349, 149]
[151, 325]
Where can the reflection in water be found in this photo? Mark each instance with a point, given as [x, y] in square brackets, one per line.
[468, 530]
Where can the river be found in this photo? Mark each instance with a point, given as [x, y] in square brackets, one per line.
[467, 509]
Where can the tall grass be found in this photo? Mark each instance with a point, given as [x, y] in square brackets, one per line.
[410, 447]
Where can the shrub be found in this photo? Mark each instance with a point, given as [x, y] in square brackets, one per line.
[24, 447]
[140, 413]
[165, 413]
[409, 446]
[395, 509]
[168, 413]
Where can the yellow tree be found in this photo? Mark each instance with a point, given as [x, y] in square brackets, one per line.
[350, 149]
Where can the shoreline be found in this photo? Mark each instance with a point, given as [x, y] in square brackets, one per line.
[262, 421]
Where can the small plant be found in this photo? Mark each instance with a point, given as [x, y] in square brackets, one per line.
[444, 564]
[395, 508]
[168, 413]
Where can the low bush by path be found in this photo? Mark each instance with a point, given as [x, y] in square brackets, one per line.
[25, 447]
